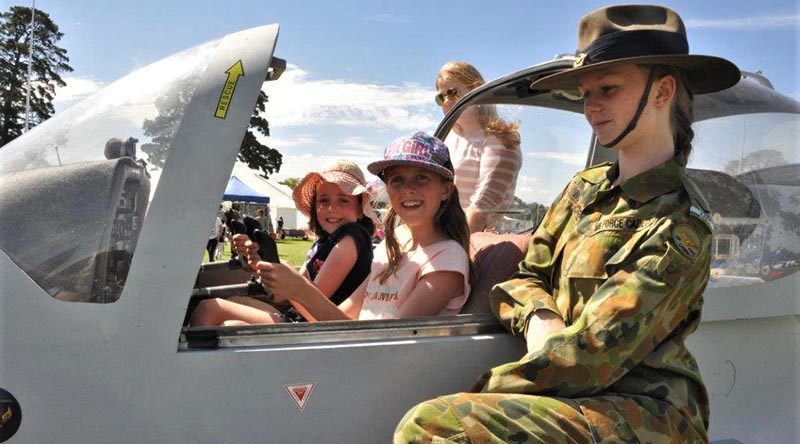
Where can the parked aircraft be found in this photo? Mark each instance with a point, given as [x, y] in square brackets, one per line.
[100, 243]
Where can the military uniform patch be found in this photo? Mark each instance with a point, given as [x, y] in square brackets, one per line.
[686, 240]
[620, 223]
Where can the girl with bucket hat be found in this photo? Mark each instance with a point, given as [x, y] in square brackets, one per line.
[612, 283]
[337, 204]
[421, 268]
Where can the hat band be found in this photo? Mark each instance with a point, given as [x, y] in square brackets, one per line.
[626, 44]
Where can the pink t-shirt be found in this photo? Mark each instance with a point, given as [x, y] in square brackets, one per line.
[486, 173]
[382, 301]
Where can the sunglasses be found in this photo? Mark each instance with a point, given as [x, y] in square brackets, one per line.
[451, 93]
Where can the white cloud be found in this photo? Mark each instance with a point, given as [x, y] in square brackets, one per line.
[350, 153]
[300, 140]
[298, 165]
[578, 159]
[76, 88]
[747, 23]
[298, 100]
[361, 144]
[531, 189]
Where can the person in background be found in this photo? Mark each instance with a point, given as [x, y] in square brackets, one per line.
[337, 204]
[228, 217]
[264, 219]
[279, 231]
[421, 268]
[213, 239]
[221, 240]
[612, 283]
[484, 148]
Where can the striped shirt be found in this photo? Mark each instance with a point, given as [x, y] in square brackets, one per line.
[485, 172]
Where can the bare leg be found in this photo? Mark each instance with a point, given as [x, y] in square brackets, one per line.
[247, 310]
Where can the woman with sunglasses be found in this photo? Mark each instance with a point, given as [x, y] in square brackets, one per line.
[484, 148]
[613, 280]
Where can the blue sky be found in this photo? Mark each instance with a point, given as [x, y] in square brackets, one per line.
[365, 70]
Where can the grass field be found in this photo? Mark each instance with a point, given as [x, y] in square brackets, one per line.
[290, 250]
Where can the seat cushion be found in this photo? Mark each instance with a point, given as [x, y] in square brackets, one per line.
[495, 258]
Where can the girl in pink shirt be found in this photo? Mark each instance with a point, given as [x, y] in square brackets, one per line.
[421, 268]
[485, 149]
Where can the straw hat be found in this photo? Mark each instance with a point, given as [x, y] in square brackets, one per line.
[342, 173]
[640, 34]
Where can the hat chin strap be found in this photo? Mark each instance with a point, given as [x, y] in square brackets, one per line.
[635, 119]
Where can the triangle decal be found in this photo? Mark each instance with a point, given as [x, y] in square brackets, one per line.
[300, 393]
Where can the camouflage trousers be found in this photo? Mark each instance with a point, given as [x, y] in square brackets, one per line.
[513, 418]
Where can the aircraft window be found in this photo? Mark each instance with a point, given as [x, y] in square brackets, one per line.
[748, 167]
[91, 172]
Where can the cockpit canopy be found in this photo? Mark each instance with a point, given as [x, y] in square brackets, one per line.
[76, 189]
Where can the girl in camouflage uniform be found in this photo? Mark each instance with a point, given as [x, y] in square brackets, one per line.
[613, 279]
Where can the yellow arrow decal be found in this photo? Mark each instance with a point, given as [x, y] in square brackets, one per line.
[234, 72]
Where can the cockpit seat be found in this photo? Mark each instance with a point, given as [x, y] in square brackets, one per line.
[73, 228]
[726, 196]
[495, 258]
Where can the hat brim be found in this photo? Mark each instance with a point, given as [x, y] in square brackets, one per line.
[378, 167]
[304, 192]
[303, 195]
[704, 74]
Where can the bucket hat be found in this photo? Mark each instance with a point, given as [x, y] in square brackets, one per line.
[640, 34]
[342, 173]
[420, 149]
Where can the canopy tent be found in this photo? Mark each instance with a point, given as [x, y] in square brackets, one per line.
[281, 203]
[237, 191]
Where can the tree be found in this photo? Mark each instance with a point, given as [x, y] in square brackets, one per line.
[291, 182]
[49, 60]
[162, 128]
[533, 211]
[252, 152]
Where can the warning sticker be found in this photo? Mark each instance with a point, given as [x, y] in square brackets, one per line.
[226, 95]
[300, 393]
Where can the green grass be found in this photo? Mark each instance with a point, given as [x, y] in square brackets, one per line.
[290, 250]
[293, 250]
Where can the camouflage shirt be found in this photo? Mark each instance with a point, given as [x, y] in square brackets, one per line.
[625, 268]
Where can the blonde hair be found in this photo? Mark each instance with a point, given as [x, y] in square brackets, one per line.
[490, 121]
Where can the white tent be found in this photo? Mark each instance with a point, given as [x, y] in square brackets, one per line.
[280, 197]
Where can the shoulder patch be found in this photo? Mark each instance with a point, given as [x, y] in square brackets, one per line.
[686, 240]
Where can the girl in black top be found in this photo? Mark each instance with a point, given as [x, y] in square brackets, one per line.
[318, 253]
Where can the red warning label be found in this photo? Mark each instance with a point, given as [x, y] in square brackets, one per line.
[300, 393]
